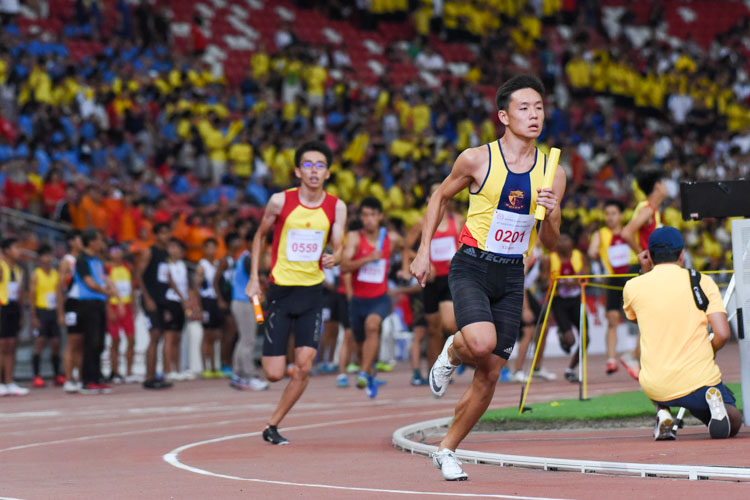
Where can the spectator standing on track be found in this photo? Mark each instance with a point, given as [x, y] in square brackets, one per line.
[11, 314]
[177, 306]
[367, 256]
[212, 316]
[244, 372]
[67, 313]
[91, 288]
[120, 315]
[608, 246]
[504, 178]
[153, 280]
[673, 309]
[224, 286]
[43, 301]
[304, 221]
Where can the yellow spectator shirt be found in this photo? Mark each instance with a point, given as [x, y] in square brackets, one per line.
[676, 354]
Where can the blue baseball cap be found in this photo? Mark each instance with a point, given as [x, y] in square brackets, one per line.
[665, 239]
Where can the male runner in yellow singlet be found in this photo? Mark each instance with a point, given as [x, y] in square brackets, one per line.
[486, 277]
[303, 220]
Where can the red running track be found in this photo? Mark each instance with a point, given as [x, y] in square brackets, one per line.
[72, 446]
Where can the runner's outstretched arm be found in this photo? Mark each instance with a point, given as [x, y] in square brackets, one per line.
[462, 175]
[273, 209]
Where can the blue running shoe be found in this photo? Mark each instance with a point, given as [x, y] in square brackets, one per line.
[379, 382]
[506, 375]
[342, 380]
[227, 371]
[372, 387]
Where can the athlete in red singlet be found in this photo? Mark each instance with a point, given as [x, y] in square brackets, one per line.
[438, 303]
[367, 256]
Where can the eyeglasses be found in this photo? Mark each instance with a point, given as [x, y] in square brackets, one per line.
[318, 166]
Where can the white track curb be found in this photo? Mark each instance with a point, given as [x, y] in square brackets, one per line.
[402, 440]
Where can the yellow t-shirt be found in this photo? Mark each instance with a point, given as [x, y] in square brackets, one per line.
[676, 354]
[241, 155]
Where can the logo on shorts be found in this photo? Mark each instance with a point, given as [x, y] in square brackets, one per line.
[515, 198]
[470, 251]
[508, 350]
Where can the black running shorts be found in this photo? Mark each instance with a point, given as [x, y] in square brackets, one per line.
[434, 293]
[213, 317]
[174, 317]
[488, 287]
[10, 320]
[48, 326]
[338, 306]
[614, 297]
[297, 308]
[567, 311]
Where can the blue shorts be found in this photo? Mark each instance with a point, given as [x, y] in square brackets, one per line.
[696, 404]
[361, 308]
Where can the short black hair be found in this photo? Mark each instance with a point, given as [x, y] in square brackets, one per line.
[502, 98]
[648, 178]
[614, 202]
[6, 243]
[158, 227]
[89, 235]
[72, 234]
[319, 146]
[665, 256]
[44, 249]
[230, 237]
[177, 242]
[371, 202]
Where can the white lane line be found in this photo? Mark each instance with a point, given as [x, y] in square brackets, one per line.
[172, 459]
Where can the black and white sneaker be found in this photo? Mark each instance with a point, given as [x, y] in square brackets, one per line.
[156, 383]
[271, 435]
[719, 426]
[664, 428]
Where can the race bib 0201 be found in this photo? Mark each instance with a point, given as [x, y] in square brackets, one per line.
[509, 233]
[442, 249]
[618, 255]
[304, 245]
[372, 272]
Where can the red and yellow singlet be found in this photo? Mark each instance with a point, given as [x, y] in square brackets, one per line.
[299, 237]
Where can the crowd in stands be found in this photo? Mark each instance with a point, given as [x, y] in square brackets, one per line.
[140, 133]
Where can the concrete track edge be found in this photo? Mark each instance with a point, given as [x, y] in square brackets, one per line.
[403, 439]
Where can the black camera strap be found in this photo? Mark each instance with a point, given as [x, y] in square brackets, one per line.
[701, 301]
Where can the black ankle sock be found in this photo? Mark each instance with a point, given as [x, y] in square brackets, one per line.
[35, 359]
[56, 364]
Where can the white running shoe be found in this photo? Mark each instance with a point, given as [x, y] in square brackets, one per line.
[3, 390]
[133, 379]
[257, 384]
[664, 423]
[173, 377]
[519, 376]
[15, 390]
[544, 374]
[719, 426]
[441, 371]
[449, 465]
[70, 387]
[187, 375]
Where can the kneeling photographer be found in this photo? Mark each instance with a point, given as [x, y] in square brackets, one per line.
[673, 307]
